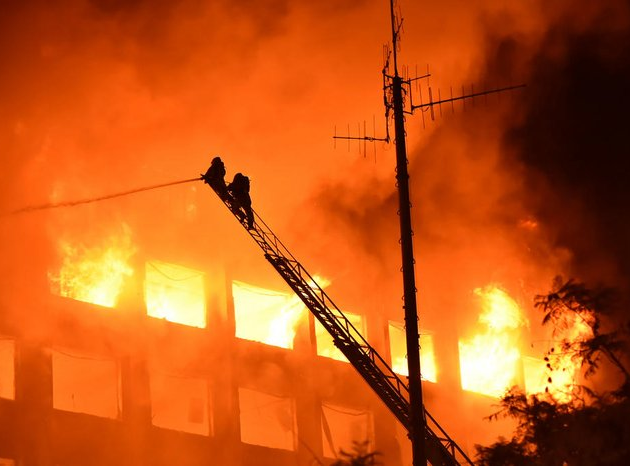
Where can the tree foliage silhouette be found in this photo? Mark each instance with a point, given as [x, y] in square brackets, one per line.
[359, 456]
[589, 427]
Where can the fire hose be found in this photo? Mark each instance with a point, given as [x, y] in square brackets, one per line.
[54, 205]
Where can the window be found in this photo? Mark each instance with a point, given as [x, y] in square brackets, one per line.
[97, 273]
[7, 369]
[398, 348]
[488, 366]
[325, 345]
[175, 293]
[266, 316]
[180, 403]
[489, 360]
[342, 427]
[267, 420]
[85, 384]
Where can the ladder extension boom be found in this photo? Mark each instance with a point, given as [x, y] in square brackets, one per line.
[441, 449]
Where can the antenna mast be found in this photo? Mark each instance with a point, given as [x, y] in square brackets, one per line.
[416, 405]
[395, 89]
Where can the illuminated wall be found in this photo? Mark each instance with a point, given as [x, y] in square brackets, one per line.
[7, 369]
[180, 403]
[342, 426]
[267, 420]
[85, 384]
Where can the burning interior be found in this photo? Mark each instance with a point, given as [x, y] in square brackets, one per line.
[175, 293]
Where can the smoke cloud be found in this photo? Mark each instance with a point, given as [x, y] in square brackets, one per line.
[528, 186]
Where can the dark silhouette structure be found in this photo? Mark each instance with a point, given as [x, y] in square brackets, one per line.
[215, 177]
[438, 447]
[239, 189]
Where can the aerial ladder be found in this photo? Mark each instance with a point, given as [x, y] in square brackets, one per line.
[441, 449]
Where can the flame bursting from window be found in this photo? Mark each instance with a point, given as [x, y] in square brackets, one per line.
[266, 316]
[282, 328]
[94, 274]
[489, 360]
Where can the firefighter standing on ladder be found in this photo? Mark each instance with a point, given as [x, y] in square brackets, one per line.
[237, 192]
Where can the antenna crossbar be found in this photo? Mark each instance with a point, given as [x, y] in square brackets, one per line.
[362, 138]
[408, 80]
[472, 95]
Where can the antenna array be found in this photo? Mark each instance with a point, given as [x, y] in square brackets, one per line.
[390, 71]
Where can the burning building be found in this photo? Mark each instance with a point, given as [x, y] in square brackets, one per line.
[150, 330]
[146, 361]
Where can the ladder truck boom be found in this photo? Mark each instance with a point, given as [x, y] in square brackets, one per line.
[388, 386]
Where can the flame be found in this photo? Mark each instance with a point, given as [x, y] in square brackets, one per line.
[175, 293]
[323, 282]
[95, 275]
[266, 316]
[398, 348]
[539, 378]
[282, 328]
[559, 373]
[489, 360]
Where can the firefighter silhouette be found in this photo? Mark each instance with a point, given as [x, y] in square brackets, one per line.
[239, 189]
[215, 177]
